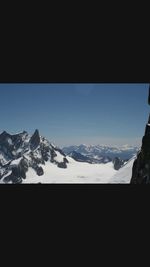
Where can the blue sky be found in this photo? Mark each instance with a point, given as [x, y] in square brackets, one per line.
[113, 114]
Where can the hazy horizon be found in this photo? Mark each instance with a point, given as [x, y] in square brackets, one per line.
[74, 114]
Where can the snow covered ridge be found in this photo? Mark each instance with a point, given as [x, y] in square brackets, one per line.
[21, 152]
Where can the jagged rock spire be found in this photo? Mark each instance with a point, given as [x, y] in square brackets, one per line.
[35, 139]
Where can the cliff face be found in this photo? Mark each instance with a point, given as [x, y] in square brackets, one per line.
[141, 166]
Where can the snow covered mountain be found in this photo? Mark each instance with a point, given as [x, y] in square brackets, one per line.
[21, 152]
[33, 159]
[98, 151]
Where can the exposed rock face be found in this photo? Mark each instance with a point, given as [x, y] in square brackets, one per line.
[40, 171]
[19, 152]
[141, 166]
[35, 140]
[18, 172]
[66, 161]
[53, 155]
[118, 163]
[62, 165]
[9, 144]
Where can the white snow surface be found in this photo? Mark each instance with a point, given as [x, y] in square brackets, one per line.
[15, 161]
[80, 172]
[123, 176]
[76, 172]
[59, 157]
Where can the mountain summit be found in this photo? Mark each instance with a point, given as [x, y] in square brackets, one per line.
[21, 152]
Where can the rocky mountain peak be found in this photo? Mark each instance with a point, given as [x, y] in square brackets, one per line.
[21, 152]
[3, 135]
[35, 140]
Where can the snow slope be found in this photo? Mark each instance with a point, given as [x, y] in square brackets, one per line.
[76, 172]
[123, 176]
[80, 172]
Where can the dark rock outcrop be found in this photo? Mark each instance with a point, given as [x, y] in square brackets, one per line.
[62, 165]
[9, 144]
[141, 166]
[39, 171]
[35, 140]
[66, 161]
[18, 172]
[53, 155]
[118, 163]
[13, 179]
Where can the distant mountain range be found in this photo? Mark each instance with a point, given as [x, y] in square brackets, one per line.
[90, 159]
[99, 153]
